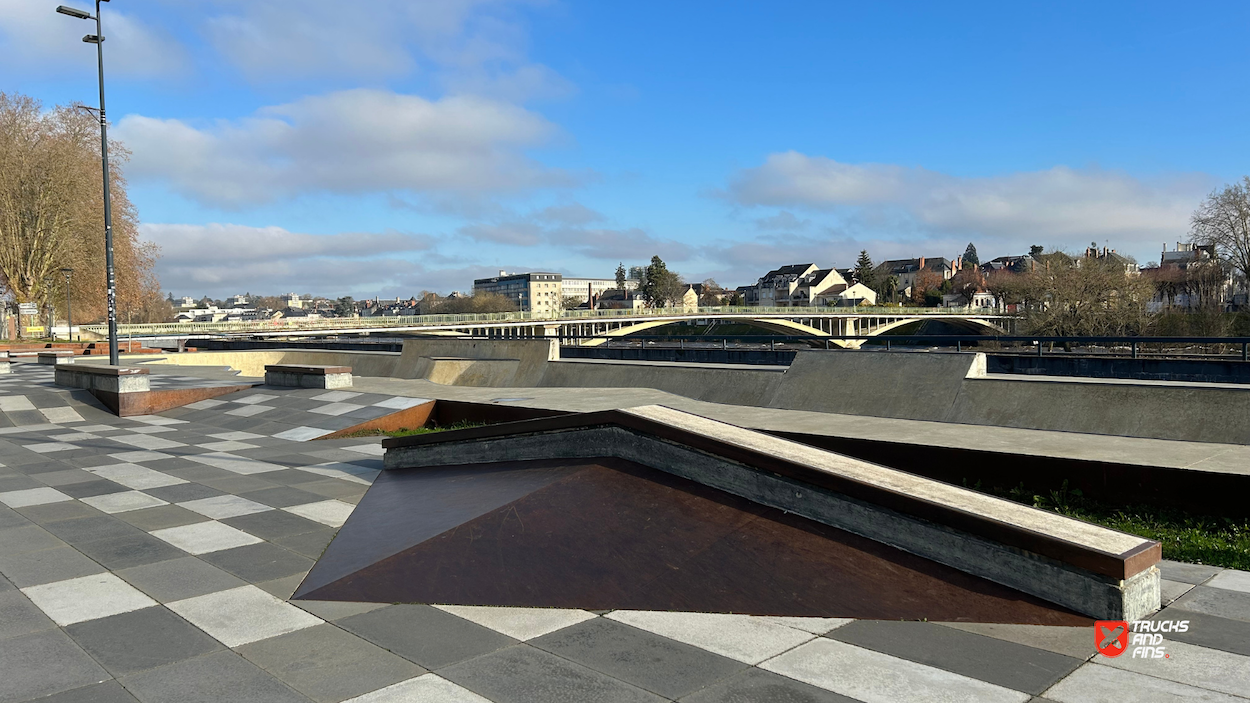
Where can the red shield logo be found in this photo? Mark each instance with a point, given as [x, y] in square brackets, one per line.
[1111, 637]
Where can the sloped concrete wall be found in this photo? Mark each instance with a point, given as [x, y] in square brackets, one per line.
[743, 385]
[530, 357]
[253, 362]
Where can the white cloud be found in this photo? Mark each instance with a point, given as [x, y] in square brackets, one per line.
[34, 38]
[1060, 205]
[783, 220]
[222, 259]
[353, 141]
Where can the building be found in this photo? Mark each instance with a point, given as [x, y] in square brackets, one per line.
[615, 299]
[1015, 264]
[293, 301]
[540, 293]
[906, 270]
[584, 288]
[1109, 255]
[795, 285]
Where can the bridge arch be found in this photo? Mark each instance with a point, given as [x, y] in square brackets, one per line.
[972, 324]
[773, 324]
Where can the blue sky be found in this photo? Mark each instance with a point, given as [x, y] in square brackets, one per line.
[390, 147]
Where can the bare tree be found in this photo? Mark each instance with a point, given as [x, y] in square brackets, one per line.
[1223, 220]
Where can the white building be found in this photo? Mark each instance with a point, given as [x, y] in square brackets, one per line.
[582, 288]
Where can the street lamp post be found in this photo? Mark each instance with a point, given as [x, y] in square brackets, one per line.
[98, 40]
[47, 296]
[69, 309]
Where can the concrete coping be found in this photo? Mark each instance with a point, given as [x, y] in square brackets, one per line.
[106, 370]
[56, 352]
[56, 356]
[1080, 544]
[307, 369]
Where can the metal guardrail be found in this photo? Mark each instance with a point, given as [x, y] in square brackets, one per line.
[387, 322]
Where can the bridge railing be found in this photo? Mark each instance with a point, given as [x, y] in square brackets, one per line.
[385, 322]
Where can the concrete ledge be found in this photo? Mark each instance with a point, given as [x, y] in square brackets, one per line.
[110, 379]
[301, 376]
[1090, 569]
[5, 362]
[55, 357]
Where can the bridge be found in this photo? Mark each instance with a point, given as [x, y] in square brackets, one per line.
[588, 327]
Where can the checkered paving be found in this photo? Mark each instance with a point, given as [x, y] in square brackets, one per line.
[152, 559]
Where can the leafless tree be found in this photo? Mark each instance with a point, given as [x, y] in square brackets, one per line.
[1223, 220]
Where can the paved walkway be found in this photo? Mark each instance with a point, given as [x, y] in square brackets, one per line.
[152, 559]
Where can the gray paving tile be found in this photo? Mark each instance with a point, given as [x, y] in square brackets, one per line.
[87, 489]
[107, 692]
[310, 544]
[90, 529]
[759, 686]
[19, 482]
[193, 472]
[646, 660]
[331, 610]
[334, 488]
[26, 538]
[183, 492]
[11, 518]
[283, 496]
[18, 616]
[327, 664]
[237, 484]
[43, 663]
[1187, 573]
[130, 550]
[425, 635]
[47, 566]
[67, 477]
[273, 524]
[161, 517]
[292, 477]
[282, 588]
[140, 640]
[55, 512]
[178, 579]
[1003, 663]
[1171, 590]
[1074, 642]
[1209, 631]
[523, 674]
[259, 562]
[1219, 602]
[213, 678]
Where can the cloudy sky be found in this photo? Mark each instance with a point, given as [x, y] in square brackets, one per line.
[383, 147]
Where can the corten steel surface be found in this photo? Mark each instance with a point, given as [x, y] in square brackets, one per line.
[450, 412]
[1118, 566]
[610, 534]
[149, 402]
[406, 419]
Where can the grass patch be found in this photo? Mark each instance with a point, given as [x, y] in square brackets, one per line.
[1197, 539]
[409, 431]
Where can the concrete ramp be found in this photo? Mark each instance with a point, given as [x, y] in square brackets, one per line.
[499, 363]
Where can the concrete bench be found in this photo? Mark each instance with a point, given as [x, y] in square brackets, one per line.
[306, 376]
[5, 362]
[53, 357]
[1090, 569]
[108, 379]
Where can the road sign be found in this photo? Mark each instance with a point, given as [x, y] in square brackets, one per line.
[34, 330]
[28, 308]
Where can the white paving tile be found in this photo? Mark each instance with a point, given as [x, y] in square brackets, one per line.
[743, 637]
[303, 434]
[150, 429]
[346, 472]
[1191, 665]
[156, 420]
[206, 404]
[336, 408]
[427, 688]
[46, 447]
[255, 398]
[249, 410]
[370, 449]
[335, 396]
[205, 537]
[146, 441]
[135, 476]
[227, 445]
[241, 615]
[816, 626]
[222, 507]
[63, 415]
[874, 677]
[236, 464]
[400, 403]
[32, 496]
[327, 512]
[15, 403]
[519, 623]
[95, 428]
[86, 598]
[140, 456]
[73, 437]
[1232, 580]
[29, 428]
[236, 436]
[1094, 683]
[123, 502]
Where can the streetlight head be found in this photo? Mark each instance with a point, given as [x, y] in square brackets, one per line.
[67, 270]
[93, 39]
[73, 12]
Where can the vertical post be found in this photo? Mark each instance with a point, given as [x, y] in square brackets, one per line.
[1245, 351]
[108, 205]
[1133, 345]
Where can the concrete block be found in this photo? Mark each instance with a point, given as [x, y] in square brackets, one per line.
[310, 376]
[56, 356]
[107, 379]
